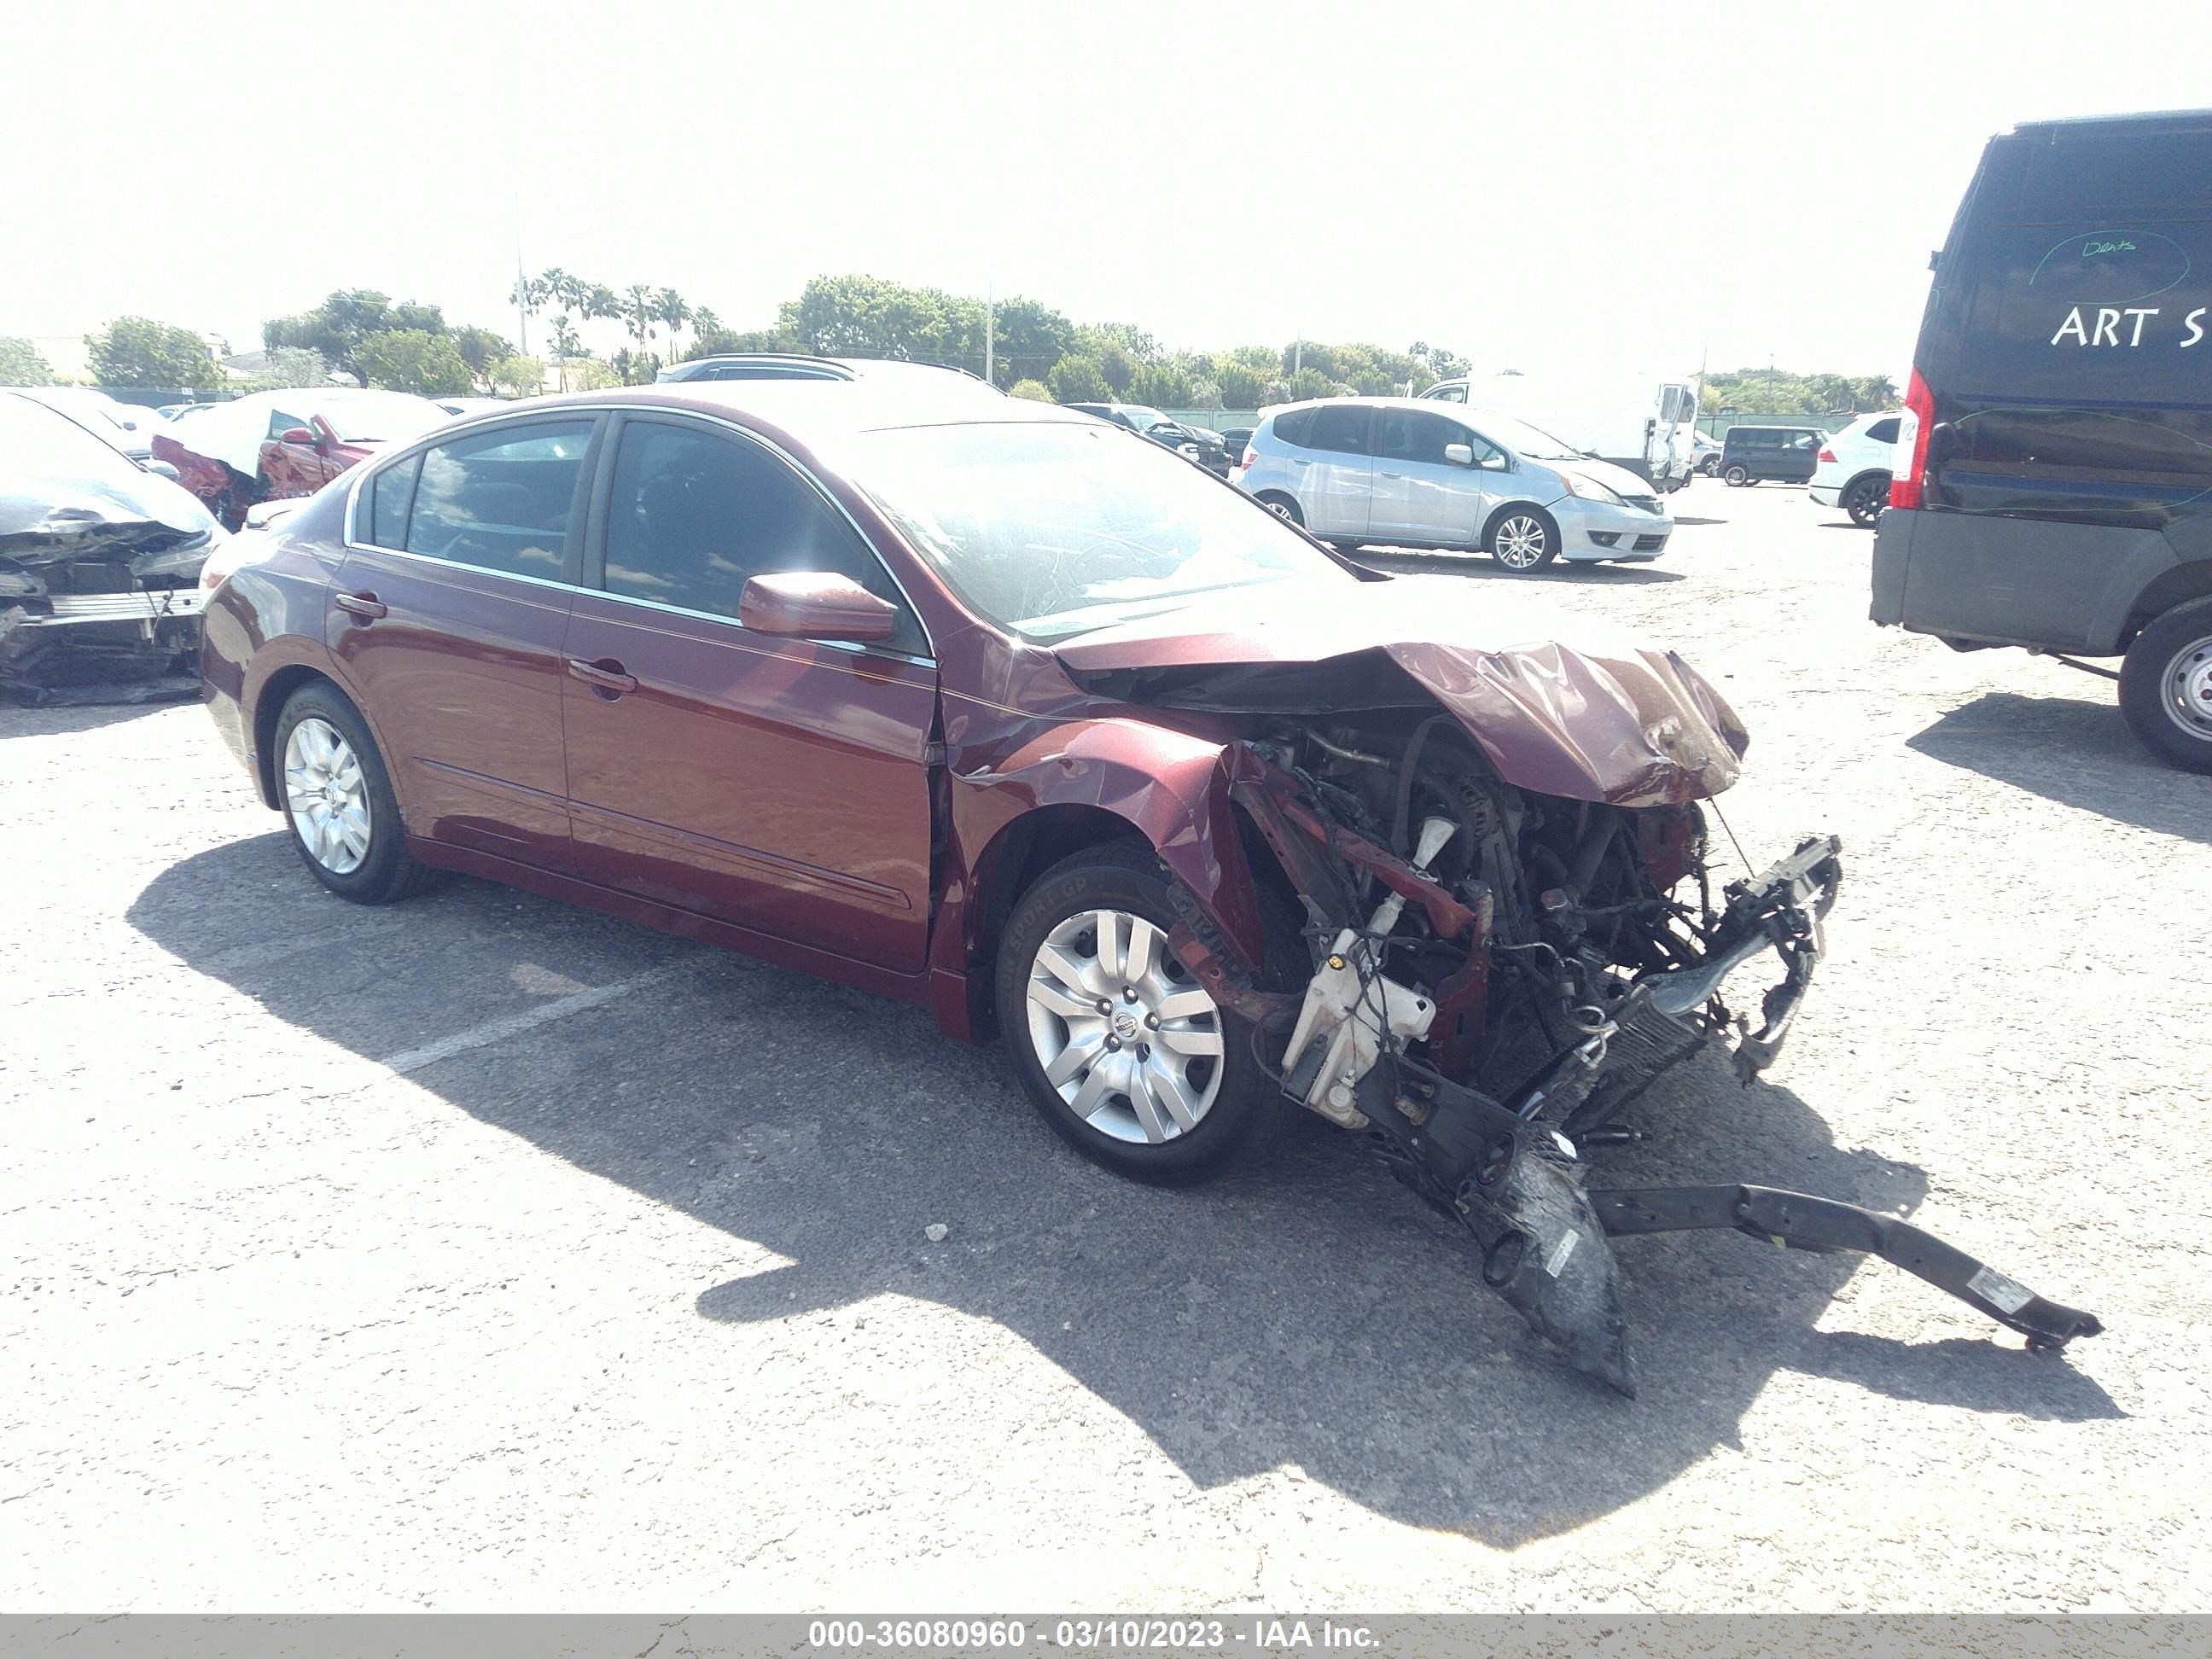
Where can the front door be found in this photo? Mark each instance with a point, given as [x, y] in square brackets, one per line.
[447, 619]
[1420, 496]
[780, 784]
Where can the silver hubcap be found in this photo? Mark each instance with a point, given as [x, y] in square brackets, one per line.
[1133, 1045]
[326, 795]
[2188, 688]
[1520, 543]
[1280, 509]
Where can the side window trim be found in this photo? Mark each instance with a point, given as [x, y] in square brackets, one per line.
[593, 553]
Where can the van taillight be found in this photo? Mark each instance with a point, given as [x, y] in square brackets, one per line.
[1828, 455]
[1910, 459]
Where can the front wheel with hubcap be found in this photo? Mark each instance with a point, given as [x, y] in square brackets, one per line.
[1282, 505]
[1129, 1058]
[1866, 498]
[2165, 686]
[1737, 477]
[338, 801]
[1524, 541]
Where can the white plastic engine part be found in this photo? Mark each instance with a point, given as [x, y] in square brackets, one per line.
[1351, 1014]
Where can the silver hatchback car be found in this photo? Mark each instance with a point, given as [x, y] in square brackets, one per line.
[1401, 470]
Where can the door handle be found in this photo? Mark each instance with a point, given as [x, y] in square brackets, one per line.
[600, 677]
[1394, 475]
[367, 606]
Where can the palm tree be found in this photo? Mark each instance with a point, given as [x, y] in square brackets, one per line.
[704, 323]
[669, 307]
[639, 312]
[565, 345]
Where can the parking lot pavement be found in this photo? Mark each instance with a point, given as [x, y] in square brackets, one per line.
[478, 1252]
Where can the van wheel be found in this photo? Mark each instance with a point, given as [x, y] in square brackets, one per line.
[1866, 498]
[1282, 505]
[2165, 686]
[1737, 478]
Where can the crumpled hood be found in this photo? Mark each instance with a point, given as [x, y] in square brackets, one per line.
[1614, 722]
[48, 518]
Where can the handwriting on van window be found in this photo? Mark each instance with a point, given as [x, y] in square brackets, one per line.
[2105, 326]
[2092, 248]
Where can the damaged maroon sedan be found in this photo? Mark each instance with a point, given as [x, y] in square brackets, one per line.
[1016, 716]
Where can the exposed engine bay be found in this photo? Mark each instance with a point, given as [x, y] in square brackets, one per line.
[1493, 975]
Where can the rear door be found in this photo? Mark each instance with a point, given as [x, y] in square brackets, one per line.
[1339, 465]
[780, 784]
[1417, 495]
[447, 621]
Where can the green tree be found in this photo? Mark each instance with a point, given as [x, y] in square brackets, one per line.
[671, 308]
[1029, 337]
[139, 351]
[566, 347]
[590, 374]
[20, 363]
[1118, 367]
[338, 325]
[1078, 380]
[1164, 386]
[414, 360]
[638, 314]
[1035, 391]
[1310, 382]
[635, 367]
[480, 348]
[1241, 385]
[1092, 339]
[517, 376]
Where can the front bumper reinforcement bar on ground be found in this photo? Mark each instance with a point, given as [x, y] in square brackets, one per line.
[1798, 1221]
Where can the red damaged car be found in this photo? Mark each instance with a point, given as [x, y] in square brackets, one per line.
[1015, 715]
[271, 446]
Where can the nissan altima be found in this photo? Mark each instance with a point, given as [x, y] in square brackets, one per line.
[1002, 710]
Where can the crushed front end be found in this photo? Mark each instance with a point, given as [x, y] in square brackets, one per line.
[1498, 974]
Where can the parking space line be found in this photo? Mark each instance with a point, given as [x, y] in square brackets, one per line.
[498, 1030]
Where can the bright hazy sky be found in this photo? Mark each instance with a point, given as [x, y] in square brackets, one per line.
[1537, 186]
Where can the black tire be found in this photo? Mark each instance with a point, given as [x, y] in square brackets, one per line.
[387, 872]
[2165, 686]
[1866, 498]
[1281, 505]
[1711, 466]
[1127, 878]
[1504, 528]
[1736, 476]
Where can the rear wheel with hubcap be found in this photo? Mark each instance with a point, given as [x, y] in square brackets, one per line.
[1282, 505]
[337, 799]
[1524, 541]
[2165, 686]
[1127, 1057]
[1737, 477]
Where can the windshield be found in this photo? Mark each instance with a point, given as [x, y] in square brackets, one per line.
[1145, 419]
[385, 417]
[1529, 443]
[1052, 530]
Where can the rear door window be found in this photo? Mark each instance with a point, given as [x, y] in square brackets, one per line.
[1293, 426]
[1342, 428]
[1883, 431]
[502, 499]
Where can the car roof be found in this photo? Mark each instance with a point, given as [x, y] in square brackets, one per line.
[827, 368]
[804, 405]
[2140, 120]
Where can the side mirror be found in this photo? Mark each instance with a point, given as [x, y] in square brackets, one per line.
[162, 470]
[296, 435]
[1460, 454]
[816, 604]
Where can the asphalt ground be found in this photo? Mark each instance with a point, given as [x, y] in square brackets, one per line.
[483, 1254]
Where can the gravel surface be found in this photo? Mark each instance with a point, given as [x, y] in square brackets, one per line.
[484, 1253]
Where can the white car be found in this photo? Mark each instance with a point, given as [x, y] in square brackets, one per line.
[1853, 468]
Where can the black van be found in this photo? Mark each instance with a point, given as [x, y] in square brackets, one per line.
[2054, 480]
[1749, 453]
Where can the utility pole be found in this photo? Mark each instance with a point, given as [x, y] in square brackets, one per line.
[1297, 355]
[990, 304]
[521, 312]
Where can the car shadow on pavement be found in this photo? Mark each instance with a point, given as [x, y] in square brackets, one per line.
[1304, 1310]
[2073, 750]
[24, 720]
